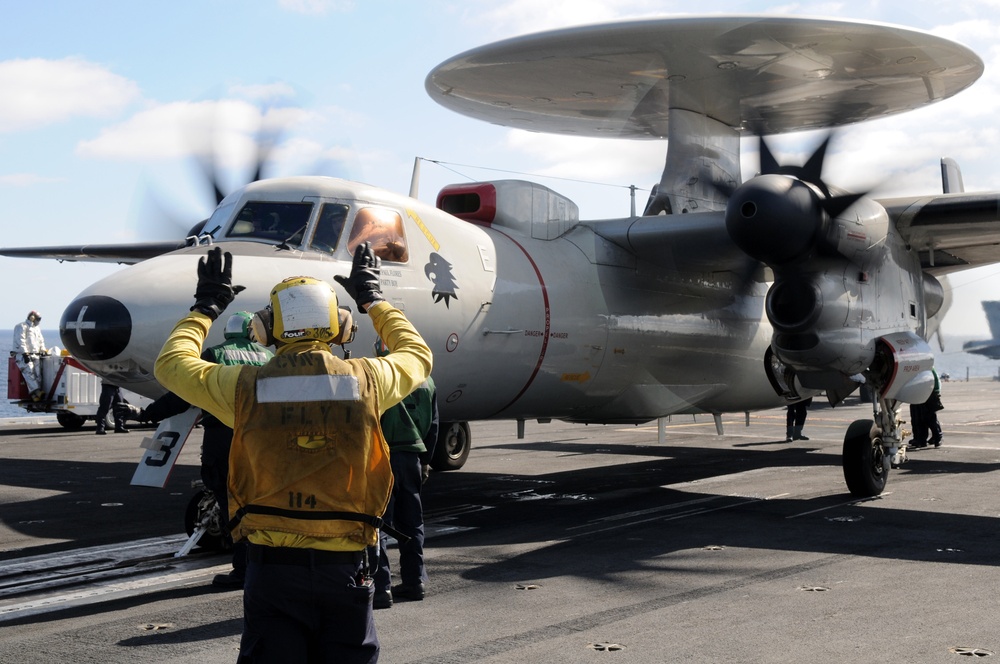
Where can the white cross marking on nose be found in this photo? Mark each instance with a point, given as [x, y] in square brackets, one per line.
[79, 325]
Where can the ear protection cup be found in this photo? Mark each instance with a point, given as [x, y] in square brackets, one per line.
[348, 328]
[262, 327]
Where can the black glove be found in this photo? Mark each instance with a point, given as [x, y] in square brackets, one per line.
[26, 357]
[363, 284]
[215, 284]
[126, 411]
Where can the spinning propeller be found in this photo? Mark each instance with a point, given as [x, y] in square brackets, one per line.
[205, 155]
[782, 216]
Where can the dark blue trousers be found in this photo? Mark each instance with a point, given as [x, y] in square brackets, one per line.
[406, 514]
[315, 612]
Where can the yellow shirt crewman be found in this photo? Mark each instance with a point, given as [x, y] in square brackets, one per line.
[309, 474]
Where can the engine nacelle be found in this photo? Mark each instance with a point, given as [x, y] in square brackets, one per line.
[902, 367]
[859, 233]
[816, 320]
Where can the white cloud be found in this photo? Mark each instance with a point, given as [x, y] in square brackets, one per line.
[226, 130]
[39, 92]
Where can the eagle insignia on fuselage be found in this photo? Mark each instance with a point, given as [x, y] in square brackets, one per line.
[438, 270]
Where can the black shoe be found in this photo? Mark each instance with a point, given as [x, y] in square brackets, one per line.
[121, 430]
[101, 432]
[383, 599]
[801, 437]
[229, 581]
[936, 442]
[413, 592]
[918, 445]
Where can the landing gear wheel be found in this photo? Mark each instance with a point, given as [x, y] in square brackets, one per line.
[70, 421]
[213, 538]
[453, 445]
[865, 468]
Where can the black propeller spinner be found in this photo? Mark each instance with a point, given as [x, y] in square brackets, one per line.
[782, 216]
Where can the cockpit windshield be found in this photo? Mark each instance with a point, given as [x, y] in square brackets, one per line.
[219, 217]
[331, 223]
[272, 221]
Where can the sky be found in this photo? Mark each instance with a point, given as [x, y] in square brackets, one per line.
[110, 108]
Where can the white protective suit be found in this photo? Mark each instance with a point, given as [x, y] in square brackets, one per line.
[27, 346]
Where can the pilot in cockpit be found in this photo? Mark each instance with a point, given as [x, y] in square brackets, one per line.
[271, 225]
[245, 223]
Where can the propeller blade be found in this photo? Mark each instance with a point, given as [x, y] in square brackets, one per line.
[836, 205]
[267, 140]
[768, 163]
[812, 171]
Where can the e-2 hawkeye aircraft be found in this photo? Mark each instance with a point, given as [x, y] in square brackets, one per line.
[724, 295]
[988, 347]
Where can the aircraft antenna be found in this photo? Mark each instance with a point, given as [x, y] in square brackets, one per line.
[415, 178]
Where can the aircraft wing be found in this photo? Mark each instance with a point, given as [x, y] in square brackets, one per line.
[697, 242]
[96, 253]
[952, 232]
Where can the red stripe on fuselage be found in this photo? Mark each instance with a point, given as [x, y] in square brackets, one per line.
[548, 322]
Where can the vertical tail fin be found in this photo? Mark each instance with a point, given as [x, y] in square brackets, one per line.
[992, 310]
[951, 176]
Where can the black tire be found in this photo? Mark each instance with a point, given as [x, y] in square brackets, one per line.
[865, 469]
[213, 538]
[453, 445]
[71, 421]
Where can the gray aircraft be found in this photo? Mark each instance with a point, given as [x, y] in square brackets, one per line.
[724, 295]
[989, 347]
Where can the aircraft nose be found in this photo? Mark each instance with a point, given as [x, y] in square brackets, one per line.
[95, 327]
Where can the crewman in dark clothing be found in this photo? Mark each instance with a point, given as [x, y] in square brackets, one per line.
[111, 396]
[795, 420]
[924, 419]
[411, 430]
[238, 348]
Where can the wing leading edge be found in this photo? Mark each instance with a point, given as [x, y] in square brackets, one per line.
[128, 254]
[951, 232]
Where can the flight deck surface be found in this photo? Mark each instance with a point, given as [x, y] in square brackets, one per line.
[574, 544]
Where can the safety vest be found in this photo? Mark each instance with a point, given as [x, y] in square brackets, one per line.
[238, 351]
[234, 350]
[405, 425]
[308, 457]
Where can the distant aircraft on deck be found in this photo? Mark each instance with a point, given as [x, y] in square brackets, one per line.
[989, 347]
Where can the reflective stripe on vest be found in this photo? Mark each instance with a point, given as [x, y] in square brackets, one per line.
[284, 389]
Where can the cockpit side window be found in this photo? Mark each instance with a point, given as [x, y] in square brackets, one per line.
[272, 221]
[384, 229]
[331, 222]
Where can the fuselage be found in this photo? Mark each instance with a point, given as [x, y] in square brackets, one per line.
[520, 326]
